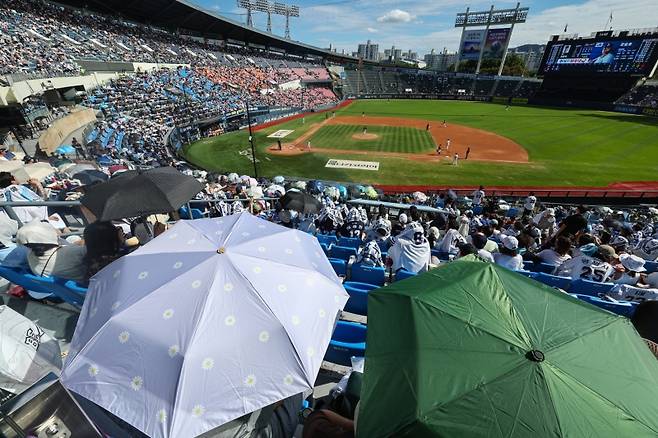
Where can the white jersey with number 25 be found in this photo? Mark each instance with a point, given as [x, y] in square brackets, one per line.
[587, 268]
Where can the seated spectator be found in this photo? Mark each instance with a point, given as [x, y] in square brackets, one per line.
[370, 255]
[411, 251]
[104, 243]
[466, 249]
[452, 238]
[45, 256]
[8, 230]
[479, 242]
[597, 267]
[633, 269]
[557, 255]
[11, 191]
[508, 256]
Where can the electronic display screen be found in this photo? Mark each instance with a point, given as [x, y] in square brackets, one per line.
[625, 55]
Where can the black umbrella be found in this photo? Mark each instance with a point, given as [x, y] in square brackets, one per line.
[301, 202]
[90, 176]
[141, 193]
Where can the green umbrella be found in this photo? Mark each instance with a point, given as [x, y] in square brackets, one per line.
[473, 350]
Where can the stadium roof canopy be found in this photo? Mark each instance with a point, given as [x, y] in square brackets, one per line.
[185, 16]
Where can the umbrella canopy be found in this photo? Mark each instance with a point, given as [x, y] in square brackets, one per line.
[471, 349]
[77, 168]
[38, 171]
[87, 177]
[301, 202]
[10, 165]
[26, 352]
[117, 168]
[65, 149]
[141, 193]
[212, 320]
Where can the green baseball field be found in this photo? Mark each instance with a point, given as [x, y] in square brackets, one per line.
[522, 146]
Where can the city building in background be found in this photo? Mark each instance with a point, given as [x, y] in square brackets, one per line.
[368, 51]
[441, 61]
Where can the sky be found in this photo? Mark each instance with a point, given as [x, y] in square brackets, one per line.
[421, 25]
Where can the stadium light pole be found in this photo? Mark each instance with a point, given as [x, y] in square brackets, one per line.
[251, 141]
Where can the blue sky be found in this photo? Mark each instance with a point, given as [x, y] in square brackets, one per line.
[421, 25]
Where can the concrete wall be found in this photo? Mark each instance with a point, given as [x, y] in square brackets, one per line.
[20, 90]
[147, 66]
[53, 137]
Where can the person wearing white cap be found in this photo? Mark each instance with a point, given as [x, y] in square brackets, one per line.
[508, 256]
[529, 204]
[634, 266]
[46, 257]
[400, 225]
[545, 220]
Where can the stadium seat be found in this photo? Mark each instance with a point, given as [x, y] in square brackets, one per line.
[347, 341]
[383, 246]
[651, 267]
[512, 212]
[349, 242]
[340, 267]
[529, 274]
[358, 292]
[184, 213]
[554, 280]
[67, 291]
[327, 239]
[368, 274]
[544, 267]
[477, 209]
[403, 274]
[341, 252]
[325, 248]
[623, 308]
[441, 255]
[592, 288]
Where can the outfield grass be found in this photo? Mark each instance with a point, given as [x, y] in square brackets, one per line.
[390, 139]
[565, 147]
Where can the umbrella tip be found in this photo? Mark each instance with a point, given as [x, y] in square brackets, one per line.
[535, 356]
[221, 250]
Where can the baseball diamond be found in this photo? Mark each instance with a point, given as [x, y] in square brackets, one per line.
[526, 145]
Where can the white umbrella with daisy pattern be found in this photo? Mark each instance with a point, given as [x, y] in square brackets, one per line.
[214, 319]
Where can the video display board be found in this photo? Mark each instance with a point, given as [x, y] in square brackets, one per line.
[621, 55]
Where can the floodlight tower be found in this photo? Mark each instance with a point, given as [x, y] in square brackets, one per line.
[268, 8]
[249, 6]
[288, 11]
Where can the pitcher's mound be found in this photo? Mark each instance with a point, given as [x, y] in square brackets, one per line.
[365, 136]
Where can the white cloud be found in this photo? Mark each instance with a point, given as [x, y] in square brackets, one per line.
[396, 16]
[371, 30]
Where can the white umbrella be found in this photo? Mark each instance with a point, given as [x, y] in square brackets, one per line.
[38, 171]
[214, 319]
[26, 352]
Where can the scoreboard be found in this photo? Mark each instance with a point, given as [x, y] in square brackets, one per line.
[628, 55]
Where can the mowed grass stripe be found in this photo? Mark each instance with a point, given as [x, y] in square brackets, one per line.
[390, 139]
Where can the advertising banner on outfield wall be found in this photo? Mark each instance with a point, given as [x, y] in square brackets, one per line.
[472, 44]
[495, 43]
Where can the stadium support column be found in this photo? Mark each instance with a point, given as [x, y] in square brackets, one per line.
[486, 30]
[509, 37]
[461, 42]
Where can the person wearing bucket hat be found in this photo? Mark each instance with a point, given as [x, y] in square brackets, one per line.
[633, 269]
[508, 256]
[45, 256]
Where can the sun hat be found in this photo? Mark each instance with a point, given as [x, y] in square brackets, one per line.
[510, 242]
[632, 262]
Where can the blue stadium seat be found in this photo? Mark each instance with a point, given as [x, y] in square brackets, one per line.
[67, 291]
[347, 341]
[477, 209]
[340, 267]
[325, 248]
[341, 252]
[592, 288]
[383, 246]
[651, 267]
[554, 280]
[441, 255]
[184, 213]
[349, 242]
[544, 267]
[623, 308]
[512, 212]
[327, 239]
[403, 274]
[368, 274]
[529, 274]
[529, 266]
[358, 292]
